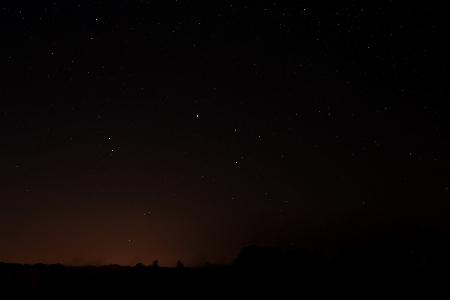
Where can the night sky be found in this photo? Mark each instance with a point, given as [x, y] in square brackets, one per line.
[185, 130]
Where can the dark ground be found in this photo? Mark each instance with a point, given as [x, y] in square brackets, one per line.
[257, 271]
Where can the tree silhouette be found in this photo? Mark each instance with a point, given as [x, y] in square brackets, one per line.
[155, 263]
[255, 257]
[180, 265]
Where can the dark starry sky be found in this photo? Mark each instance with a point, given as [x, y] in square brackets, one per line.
[185, 130]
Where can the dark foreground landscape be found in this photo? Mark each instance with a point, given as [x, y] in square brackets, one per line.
[405, 267]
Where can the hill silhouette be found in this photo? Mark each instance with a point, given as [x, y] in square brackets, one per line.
[414, 265]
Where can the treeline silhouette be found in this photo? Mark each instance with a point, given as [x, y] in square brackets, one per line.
[418, 264]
